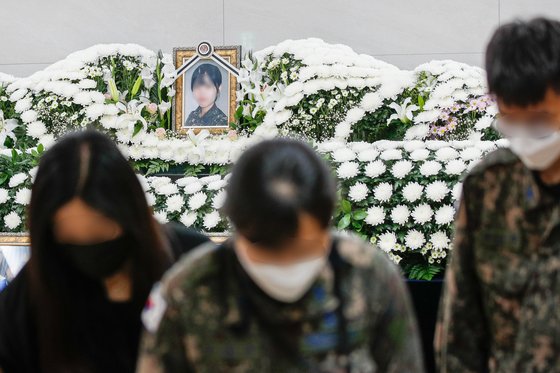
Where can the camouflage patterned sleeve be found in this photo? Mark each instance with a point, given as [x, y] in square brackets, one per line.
[395, 345]
[461, 334]
[162, 348]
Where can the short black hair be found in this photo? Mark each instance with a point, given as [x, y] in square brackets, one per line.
[523, 61]
[271, 184]
[209, 70]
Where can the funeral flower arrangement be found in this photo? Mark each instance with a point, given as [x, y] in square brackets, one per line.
[403, 195]
[400, 194]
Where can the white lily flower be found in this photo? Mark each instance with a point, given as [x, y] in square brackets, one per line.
[131, 116]
[404, 112]
[7, 127]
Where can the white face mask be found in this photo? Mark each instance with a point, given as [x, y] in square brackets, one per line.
[537, 154]
[286, 283]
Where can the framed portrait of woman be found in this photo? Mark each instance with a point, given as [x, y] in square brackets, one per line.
[205, 90]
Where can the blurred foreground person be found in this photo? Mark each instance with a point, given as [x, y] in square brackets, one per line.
[500, 307]
[285, 294]
[96, 252]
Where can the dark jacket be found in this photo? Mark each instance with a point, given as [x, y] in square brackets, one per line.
[118, 325]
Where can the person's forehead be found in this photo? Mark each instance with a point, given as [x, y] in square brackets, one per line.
[550, 104]
[541, 108]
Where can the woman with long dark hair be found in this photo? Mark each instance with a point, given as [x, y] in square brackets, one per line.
[96, 251]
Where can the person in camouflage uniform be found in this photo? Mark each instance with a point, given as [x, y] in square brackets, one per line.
[213, 118]
[354, 316]
[499, 311]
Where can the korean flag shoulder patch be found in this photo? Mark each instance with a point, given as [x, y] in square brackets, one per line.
[154, 310]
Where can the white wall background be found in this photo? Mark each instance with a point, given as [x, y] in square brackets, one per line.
[36, 33]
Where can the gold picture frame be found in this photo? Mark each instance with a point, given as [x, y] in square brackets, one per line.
[22, 239]
[14, 253]
[231, 54]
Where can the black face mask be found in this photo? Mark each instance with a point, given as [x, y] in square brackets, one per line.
[100, 260]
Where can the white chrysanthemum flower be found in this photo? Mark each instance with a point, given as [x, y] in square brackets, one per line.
[23, 105]
[354, 115]
[342, 130]
[483, 123]
[446, 154]
[456, 192]
[161, 217]
[193, 188]
[420, 154]
[47, 140]
[371, 101]
[440, 240]
[413, 145]
[414, 239]
[348, 170]
[387, 241]
[358, 192]
[375, 216]
[211, 220]
[158, 181]
[388, 144]
[368, 155]
[184, 181]
[430, 168]
[17, 179]
[400, 214]
[4, 196]
[167, 189]
[219, 199]
[401, 169]
[361, 146]
[33, 173]
[95, 111]
[23, 196]
[437, 190]
[209, 179]
[383, 192]
[82, 98]
[330, 146]
[29, 116]
[12, 220]
[197, 201]
[174, 203]
[412, 192]
[151, 199]
[217, 185]
[471, 154]
[87, 84]
[422, 214]
[343, 155]
[455, 167]
[391, 154]
[435, 145]
[445, 215]
[418, 131]
[188, 218]
[374, 169]
[18, 95]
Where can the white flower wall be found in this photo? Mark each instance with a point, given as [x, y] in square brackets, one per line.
[399, 141]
